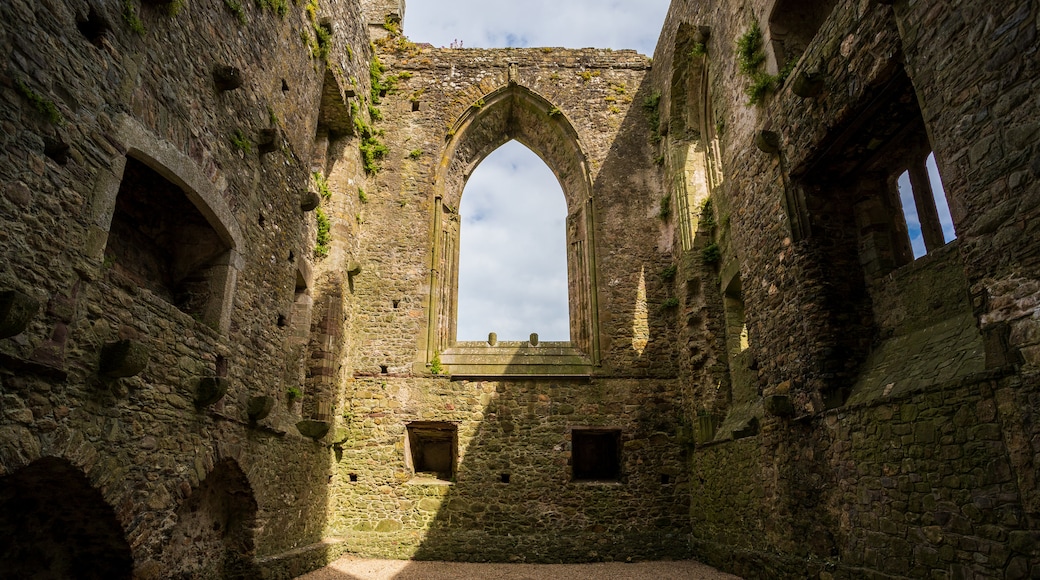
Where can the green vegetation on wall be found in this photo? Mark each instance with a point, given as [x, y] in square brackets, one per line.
[750, 58]
[44, 106]
[651, 107]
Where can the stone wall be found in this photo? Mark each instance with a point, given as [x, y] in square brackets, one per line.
[520, 428]
[259, 374]
[513, 496]
[897, 401]
[87, 84]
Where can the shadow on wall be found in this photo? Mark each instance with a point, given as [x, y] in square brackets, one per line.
[54, 524]
[546, 468]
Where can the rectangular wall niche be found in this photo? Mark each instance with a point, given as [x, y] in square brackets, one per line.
[596, 454]
[432, 449]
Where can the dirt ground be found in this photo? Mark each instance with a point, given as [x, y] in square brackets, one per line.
[352, 568]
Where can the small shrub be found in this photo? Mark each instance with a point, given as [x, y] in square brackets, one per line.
[478, 104]
[707, 214]
[235, 7]
[555, 112]
[670, 303]
[322, 42]
[666, 207]
[174, 8]
[293, 393]
[750, 55]
[668, 274]
[241, 142]
[699, 49]
[362, 196]
[711, 254]
[588, 75]
[372, 150]
[324, 238]
[131, 18]
[281, 7]
[323, 186]
[415, 154]
[651, 107]
[435, 364]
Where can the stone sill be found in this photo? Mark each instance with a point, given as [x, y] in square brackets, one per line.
[597, 483]
[428, 481]
[473, 359]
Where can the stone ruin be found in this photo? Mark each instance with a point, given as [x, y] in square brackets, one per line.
[228, 292]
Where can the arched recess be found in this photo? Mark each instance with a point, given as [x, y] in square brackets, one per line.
[160, 160]
[55, 524]
[213, 536]
[508, 113]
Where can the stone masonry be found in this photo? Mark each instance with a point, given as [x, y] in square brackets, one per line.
[228, 286]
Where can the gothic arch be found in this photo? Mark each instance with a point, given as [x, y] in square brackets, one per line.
[513, 112]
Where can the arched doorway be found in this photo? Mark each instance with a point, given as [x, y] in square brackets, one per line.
[55, 525]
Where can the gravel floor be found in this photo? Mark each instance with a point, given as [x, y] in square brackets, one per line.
[351, 568]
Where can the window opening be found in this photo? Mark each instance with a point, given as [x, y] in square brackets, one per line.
[512, 250]
[596, 454]
[925, 208]
[942, 203]
[432, 449]
[160, 240]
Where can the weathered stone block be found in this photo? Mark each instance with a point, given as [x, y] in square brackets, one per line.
[123, 358]
[309, 201]
[258, 408]
[210, 390]
[779, 405]
[313, 429]
[16, 310]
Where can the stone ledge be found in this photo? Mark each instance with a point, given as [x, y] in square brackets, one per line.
[469, 360]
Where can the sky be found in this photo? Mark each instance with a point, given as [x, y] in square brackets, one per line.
[942, 206]
[512, 254]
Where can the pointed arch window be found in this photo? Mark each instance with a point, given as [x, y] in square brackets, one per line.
[511, 113]
[512, 250]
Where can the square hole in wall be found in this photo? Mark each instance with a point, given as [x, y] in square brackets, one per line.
[432, 449]
[596, 454]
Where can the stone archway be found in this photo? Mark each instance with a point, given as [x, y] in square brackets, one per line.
[514, 112]
[56, 525]
[213, 537]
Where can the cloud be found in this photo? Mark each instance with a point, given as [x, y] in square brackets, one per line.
[512, 254]
[617, 24]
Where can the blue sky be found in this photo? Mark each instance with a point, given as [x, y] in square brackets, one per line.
[513, 265]
[913, 223]
[615, 24]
